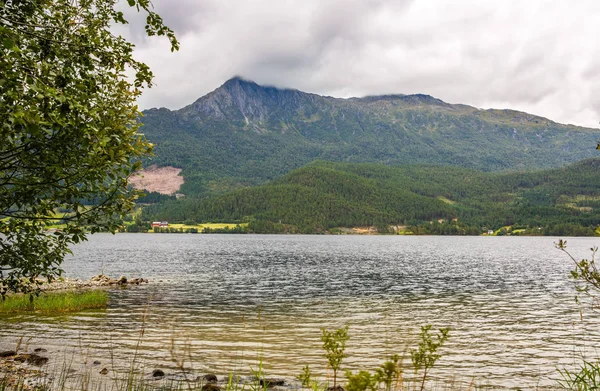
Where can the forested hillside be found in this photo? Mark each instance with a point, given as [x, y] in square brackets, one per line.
[243, 134]
[323, 196]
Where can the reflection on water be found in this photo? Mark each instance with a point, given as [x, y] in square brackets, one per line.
[221, 301]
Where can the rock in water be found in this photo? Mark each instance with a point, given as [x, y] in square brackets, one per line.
[33, 359]
[273, 383]
[8, 353]
[211, 387]
[157, 373]
[104, 371]
[210, 378]
[37, 360]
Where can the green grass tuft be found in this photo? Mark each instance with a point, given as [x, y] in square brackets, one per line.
[56, 302]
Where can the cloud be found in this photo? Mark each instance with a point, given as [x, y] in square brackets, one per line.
[535, 56]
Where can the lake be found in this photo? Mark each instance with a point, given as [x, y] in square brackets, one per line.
[219, 302]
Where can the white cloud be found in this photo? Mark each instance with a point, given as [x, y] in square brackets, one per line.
[535, 56]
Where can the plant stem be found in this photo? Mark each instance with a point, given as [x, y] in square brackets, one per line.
[424, 376]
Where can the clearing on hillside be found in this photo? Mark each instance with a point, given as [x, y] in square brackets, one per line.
[163, 180]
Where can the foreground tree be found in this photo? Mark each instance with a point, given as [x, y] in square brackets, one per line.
[69, 133]
[587, 283]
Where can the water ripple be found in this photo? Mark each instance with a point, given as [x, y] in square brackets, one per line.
[222, 301]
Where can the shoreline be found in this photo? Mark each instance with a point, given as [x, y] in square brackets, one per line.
[35, 369]
[99, 281]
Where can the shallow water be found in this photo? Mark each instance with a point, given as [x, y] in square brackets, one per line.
[218, 302]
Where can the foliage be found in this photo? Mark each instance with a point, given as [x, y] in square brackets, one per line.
[361, 381]
[55, 302]
[426, 199]
[334, 344]
[425, 356]
[389, 372]
[153, 197]
[305, 376]
[68, 133]
[587, 378]
[238, 229]
[585, 270]
[138, 226]
[587, 278]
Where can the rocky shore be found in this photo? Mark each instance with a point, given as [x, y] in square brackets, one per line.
[31, 370]
[95, 282]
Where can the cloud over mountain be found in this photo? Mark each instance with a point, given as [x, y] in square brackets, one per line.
[538, 57]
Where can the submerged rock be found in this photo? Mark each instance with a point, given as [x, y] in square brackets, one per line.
[8, 353]
[33, 359]
[211, 387]
[270, 382]
[104, 371]
[158, 373]
[40, 350]
[36, 360]
[210, 378]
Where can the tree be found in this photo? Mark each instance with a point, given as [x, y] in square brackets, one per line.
[585, 274]
[69, 132]
[334, 343]
[426, 355]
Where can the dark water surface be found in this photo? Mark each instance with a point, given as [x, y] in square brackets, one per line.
[218, 302]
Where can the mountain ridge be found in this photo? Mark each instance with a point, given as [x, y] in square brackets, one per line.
[238, 84]
[243, 134]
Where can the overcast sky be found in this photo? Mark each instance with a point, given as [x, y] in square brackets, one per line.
[541, 57]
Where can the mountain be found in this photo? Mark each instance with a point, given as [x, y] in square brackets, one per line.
[244, 134]
[324, 195]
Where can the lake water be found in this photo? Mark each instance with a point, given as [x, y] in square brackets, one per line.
[218, 302]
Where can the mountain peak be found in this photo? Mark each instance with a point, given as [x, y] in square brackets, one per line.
[237, 80]
[240, 99]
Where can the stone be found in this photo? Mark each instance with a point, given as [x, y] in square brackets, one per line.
[211, 387]
[21, 358]
[210, 378]
[104, 371]
[158, 373]
[36, 360]
[40, 350]
[96, 362]
[8, 353]
[336, 388]
[122, 280]
[273, 382]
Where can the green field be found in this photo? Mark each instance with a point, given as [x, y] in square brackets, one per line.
[208, 225]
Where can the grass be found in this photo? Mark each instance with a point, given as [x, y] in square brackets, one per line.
[208, 225]
[392, 375]
[56, 302]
